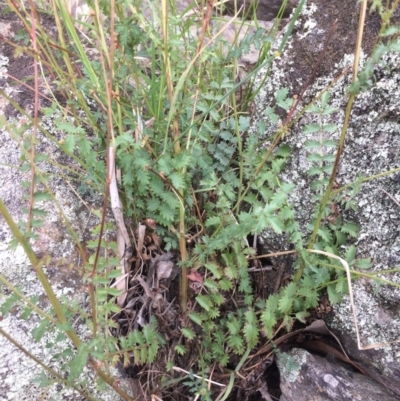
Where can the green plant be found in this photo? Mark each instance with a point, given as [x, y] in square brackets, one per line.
[165, 103]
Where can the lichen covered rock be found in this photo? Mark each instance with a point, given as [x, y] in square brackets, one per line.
[372, 149]
[313, 378]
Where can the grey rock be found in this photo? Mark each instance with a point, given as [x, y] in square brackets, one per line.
[266, 10]
[372, 146]
[314, 378]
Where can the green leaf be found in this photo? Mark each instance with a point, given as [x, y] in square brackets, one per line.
[225, 284]
[351, 229]
[288, 187]
[181, 160]
[166, 212]
[9, 303]
[290, 290]
[26, 313]
[333, 295]
[214, 269]
[68, 127]
[322, 275]
[231, 272]
[314, 157]
[245, 284]
[143, 355]
[313, 109]
[39, 212]
[269, 322]
[236, 343]
[364, 263]
[217, 298]
[276, 224]
[279, 198]
[37, 223]
[325, 99]
[196, 317]
[394, 45]
[311, 300]
[286, 301]
[325, 234]
[268, 317]
[330, 128]
[390, 30]
[250, 329]
[233, 326]
[143, 176]
[312, 144]
[125, 139]
[177, 181]
[272, 116]
[180, 349]
[314, 171]
[215, 115]
[188, 333]
[286, 213]
[340, 238]
[248, 300]
[38, 332]
[311, 128]
[330, 143]
[244, 123]
[41, 196]
[152, 352]
[148, 334]
[277, 165]
[153, 204]
[329, 110]
[135, 337]
[283, 151]
[341, 285]
[281, 95]
[164, 165]
[213, 221]
[204, 301]
[69, 143]
[78, 363]
[301, 316]
[211, 285]
[350, 254]
[43, 380]
[329, 159]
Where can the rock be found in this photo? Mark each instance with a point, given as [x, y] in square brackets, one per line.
[372, 147]
[266, 10]
[313, 378]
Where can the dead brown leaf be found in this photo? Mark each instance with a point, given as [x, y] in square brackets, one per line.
[164, 269]
[195, 276]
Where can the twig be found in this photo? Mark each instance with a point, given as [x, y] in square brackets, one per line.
[124, 243]
[391, 197]
[270, 255]
[198, 377]
[256, 269]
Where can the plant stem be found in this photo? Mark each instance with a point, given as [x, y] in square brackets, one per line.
[177, 149]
